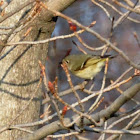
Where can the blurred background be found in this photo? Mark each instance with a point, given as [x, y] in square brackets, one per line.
[85, 12]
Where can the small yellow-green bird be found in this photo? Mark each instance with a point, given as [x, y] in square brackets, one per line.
[85, 65]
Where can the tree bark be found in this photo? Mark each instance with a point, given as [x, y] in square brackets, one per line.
[20, 71]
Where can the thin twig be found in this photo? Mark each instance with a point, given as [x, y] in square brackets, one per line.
[98, 36]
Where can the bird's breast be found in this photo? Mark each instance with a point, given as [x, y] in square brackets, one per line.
[90, 71]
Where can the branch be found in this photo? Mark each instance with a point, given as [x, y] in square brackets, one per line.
[106, 114]
[97, 35]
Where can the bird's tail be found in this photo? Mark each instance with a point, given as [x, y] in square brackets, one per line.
[109, 56]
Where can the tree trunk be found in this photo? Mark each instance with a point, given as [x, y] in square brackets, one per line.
[20, 71]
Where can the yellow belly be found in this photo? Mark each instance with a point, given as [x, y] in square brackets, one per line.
[89, 72]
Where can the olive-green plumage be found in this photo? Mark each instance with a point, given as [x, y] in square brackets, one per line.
[85, 65]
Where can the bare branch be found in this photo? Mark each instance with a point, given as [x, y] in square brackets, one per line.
[106, 113]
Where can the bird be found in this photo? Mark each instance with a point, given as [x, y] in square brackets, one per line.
[85, 66]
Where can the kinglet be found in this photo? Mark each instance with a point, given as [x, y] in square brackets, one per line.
[85, 65]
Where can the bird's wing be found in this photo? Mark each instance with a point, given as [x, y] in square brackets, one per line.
[93, 61]
[79, 64]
